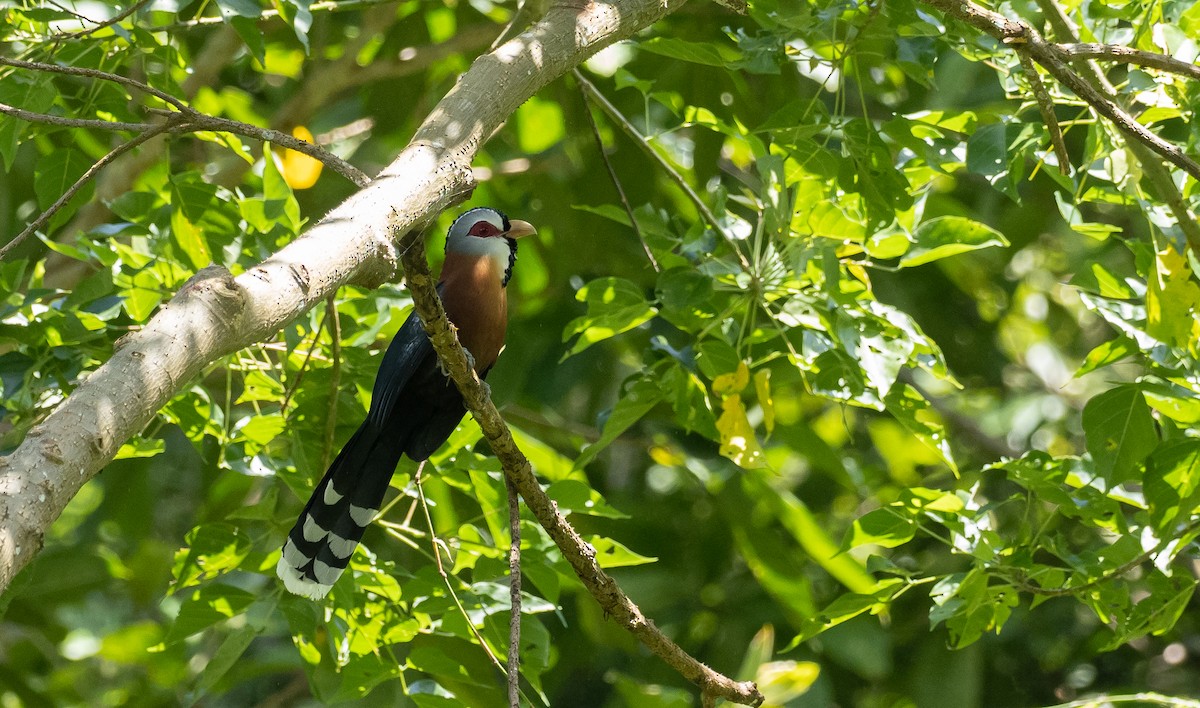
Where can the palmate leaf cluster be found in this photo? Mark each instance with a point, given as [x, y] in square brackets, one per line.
[904, 384]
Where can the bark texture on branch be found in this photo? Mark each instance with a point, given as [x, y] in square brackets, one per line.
[518, 471]
[216, 314]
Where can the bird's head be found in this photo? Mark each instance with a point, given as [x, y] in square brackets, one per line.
[484, 232]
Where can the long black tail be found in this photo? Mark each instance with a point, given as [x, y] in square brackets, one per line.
[349, 495]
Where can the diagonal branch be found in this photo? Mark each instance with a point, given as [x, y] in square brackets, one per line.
[93, 74]
[1022, 38]
[71, 191]
[106, 23]
[517, 469]
[592, 94]
[216, 313]
[1161, 182]
[1046, 107]
[612, 175]
[1129, 55]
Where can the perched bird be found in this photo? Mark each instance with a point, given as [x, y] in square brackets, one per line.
[414, 405]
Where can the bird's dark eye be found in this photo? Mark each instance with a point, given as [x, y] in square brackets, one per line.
[484, 229]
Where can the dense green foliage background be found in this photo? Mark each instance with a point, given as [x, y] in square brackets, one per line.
[910, 424]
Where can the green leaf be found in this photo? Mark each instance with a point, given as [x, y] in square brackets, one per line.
[262, 429]
[612, 554]
[612, 212]
[807, 530]
[614, 305]
[1157, 610]
[33, 93]
[912, 411]
[705, 53]
[686, 297]
[279, 202]
[888, 527]
[573, 495]
[225, 657]
[1120, 432]
[54, 175]
[1172, 484]
[540, 125]
[782, 681]
[207, 606]
[141, 447]
[190, 240]
[946, 236]
[242, 16]
[847, 607]
[637, 400]
[1109, 352]
[213, 549]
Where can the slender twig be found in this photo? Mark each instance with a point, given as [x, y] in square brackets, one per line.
[1021, 37]
[1129, 55]
[335, 375]
[594, 94]
[612, 174]
[330, 6]
[1113, 574]
[514, 594]
[185, 120]
[1159, 176]
[46, 119]
[106, 23]
[1141, 698]
[196, 121]
[113, 154]
[1046, 105]
[581, 556]
[295, 383]
[78, 15]
[437, 557]
[95, 74]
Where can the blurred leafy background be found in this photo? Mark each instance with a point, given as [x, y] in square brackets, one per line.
[879, 404]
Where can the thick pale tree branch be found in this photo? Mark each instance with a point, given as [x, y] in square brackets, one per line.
[216, 314]
[518, 471]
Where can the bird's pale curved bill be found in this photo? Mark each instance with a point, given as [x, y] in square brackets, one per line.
[519, 229]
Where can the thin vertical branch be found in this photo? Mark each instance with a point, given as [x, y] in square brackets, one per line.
[1046, 106]
[335, 333]
[514, 592]
[437, 557]
[594, 94]
[612, 174]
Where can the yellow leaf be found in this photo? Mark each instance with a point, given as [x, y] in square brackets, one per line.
[665, 456]
[299, 170]
[732, 382]
[738, 441]
[782, 681]
[1172, 300]
[762, 387]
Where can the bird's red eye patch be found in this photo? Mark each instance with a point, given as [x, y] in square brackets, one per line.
[484, 229]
